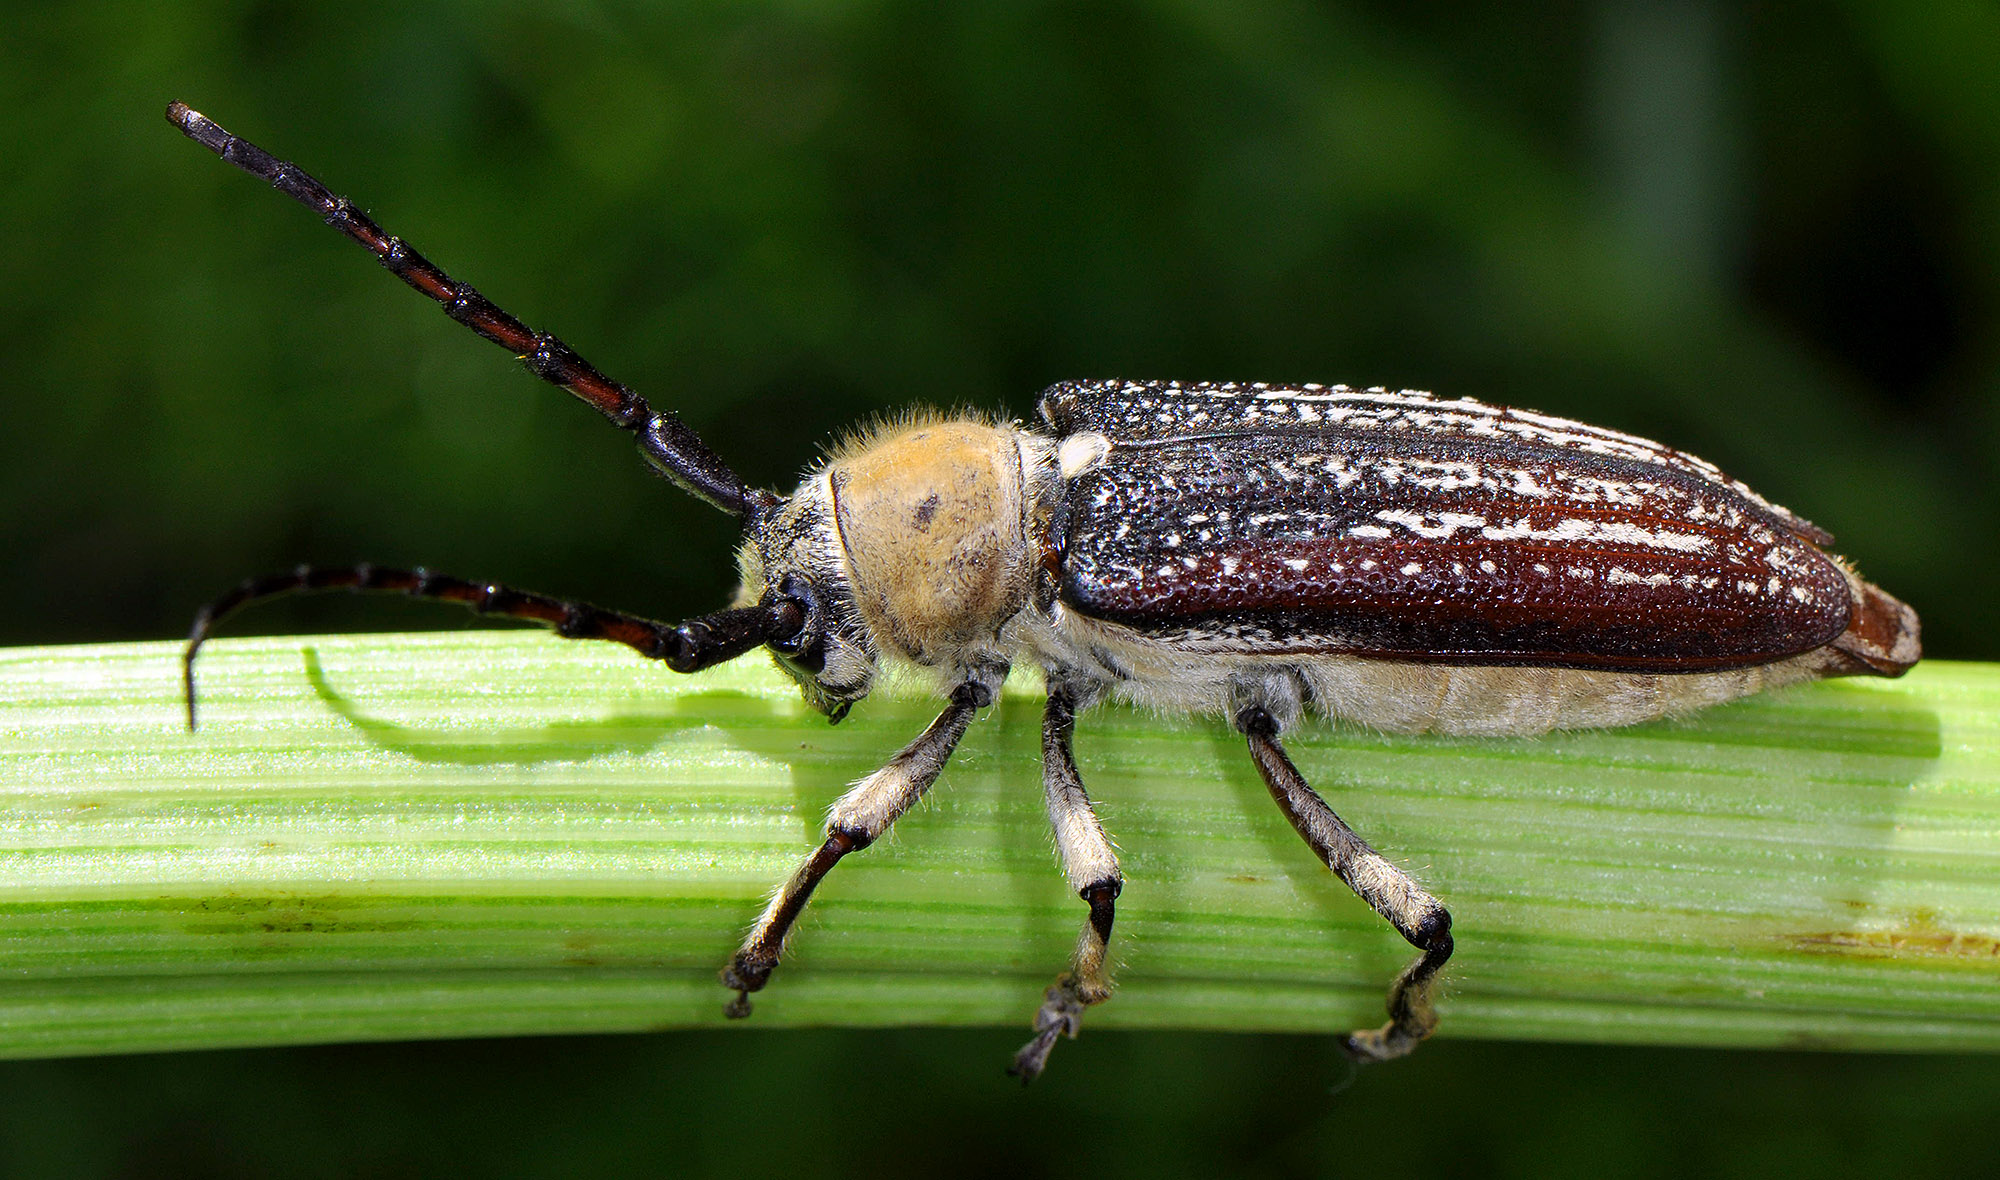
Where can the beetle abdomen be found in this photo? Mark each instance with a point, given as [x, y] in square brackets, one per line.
[1256, 531]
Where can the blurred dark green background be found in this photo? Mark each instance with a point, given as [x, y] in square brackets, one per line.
[1768, 234]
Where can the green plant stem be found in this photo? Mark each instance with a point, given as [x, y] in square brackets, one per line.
[379, 837]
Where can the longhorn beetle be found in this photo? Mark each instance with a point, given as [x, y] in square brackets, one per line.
[1403, 561]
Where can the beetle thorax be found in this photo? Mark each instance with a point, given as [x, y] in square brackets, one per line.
[930, 517]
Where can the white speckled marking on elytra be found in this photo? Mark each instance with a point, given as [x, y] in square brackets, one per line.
[1434, 525]
[1585, 530]
[1418, 412]
[1080, 452]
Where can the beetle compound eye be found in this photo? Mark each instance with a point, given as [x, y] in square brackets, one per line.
[801, 641]
[796, 635]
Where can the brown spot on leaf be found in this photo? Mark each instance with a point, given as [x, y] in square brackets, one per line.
[1918, 937]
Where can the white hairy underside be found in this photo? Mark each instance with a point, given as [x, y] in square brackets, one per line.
[1397, 697]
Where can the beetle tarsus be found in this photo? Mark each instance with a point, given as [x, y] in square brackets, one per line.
[747, 972]
[1034, 1056]
[1412, 1018]
[1061, 1015]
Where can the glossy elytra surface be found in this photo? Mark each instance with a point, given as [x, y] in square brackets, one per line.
[1404, 526]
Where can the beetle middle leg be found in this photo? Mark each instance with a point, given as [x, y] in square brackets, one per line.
[1092, 868]
[1416, 915]
[854, 822]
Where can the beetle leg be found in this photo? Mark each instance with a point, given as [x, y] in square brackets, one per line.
[1092, 868]
[1415, 914]
[854, 822]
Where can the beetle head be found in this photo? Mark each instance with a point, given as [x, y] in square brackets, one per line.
[792, 553]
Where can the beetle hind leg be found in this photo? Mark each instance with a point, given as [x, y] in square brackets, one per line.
[1416, 915]
[1092, 868]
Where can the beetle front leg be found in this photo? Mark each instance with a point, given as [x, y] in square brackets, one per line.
[1092, 868]
[1415, 914]
[854, 822]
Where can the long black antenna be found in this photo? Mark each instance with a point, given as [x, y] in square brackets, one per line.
[684, 647]
[664, 439]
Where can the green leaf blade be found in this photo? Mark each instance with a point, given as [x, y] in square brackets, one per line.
[490, 833]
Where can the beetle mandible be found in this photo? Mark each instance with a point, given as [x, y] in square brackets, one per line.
[1251, 551]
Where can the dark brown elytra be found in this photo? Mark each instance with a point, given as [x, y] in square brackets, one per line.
[1288, 571]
